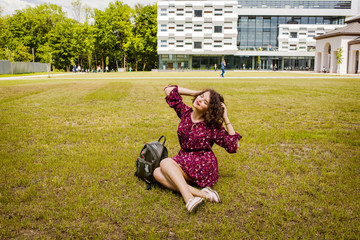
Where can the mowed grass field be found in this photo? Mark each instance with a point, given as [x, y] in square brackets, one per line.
[68, 146]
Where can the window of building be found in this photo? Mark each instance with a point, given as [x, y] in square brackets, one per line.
[180, 9]
[293, 47]
[293, 34]
[285, 33]
[188, 11]
[163, 9]
[198, 45]
[227, 27]
[207, 11]
[163, 14]
[198, 13]
[218, 29]
[163, 41]
[163, 45]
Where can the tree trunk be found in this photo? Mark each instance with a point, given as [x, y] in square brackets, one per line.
[144, 66]
[102, 61]
[89, 60]
[117, 63]
[136, 62]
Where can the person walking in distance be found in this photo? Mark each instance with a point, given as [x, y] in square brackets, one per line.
[223, 65]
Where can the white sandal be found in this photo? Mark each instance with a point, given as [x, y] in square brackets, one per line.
[193, 204]
[212, 195]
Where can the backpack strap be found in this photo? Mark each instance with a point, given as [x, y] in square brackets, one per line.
[164, 139]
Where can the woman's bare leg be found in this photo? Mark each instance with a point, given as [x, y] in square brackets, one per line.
[173, 173]
[163, 180]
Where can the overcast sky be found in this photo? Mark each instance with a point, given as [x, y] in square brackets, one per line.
[9, 6]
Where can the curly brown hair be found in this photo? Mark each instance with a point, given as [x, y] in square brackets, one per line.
[215, 112]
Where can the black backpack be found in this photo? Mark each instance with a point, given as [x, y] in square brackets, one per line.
[149, 159]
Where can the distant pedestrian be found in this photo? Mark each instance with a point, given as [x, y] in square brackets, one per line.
[215, 67]
[223, 65]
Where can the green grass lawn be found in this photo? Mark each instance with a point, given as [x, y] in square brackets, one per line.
[68, 146]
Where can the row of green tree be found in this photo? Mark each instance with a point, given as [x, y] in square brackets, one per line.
[118, 37]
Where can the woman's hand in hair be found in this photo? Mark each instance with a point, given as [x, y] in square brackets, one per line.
[225, 116]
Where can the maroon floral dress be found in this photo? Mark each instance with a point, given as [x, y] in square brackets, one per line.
[196, 157]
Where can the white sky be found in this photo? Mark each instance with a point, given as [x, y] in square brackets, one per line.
[9, 6]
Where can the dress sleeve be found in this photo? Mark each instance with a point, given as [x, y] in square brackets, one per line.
[175, 101]
[225, 140]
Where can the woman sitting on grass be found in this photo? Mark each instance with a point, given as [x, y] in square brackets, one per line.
[198, 130]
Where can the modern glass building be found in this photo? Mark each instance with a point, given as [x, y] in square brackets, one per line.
[248, 34]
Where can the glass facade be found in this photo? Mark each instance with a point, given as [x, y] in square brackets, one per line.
[260, 32]
[267, 63]
[309, 4]
[207, 62]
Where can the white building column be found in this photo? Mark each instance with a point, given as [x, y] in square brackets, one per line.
[333, 62]
[317, 67]
[358, 62]
[352, 62]
[344, 64]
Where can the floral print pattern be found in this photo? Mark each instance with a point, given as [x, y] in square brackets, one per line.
[196, 157]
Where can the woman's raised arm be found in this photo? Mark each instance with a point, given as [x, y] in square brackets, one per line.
[182, 91]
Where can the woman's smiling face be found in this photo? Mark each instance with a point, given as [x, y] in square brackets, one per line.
[201, 102]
